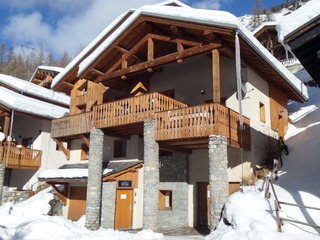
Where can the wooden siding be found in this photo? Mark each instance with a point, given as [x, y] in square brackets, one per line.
[22, 158]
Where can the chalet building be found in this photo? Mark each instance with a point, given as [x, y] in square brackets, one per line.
[187, 98]
[26, 147]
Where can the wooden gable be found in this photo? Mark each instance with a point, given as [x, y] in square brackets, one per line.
[151, 42]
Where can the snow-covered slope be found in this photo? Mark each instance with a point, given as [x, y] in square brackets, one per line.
[250, 21]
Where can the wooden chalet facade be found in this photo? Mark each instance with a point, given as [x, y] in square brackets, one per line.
[178, 70]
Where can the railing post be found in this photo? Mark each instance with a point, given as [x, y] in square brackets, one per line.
[279, 222]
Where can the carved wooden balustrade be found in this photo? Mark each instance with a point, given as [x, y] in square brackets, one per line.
[19, 157]
[116, 113]
[175, 120]
[202, 121]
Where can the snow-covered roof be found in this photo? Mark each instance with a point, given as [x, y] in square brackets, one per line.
[87, 49]
[34, 90]
[173, 3]
[210, 17]
[297, 19]
[80, 170]
[102, 35]
[49, 68]
[263, 25]
[67, 173]
[30, 105]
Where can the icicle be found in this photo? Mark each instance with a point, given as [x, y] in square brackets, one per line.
[239, 82]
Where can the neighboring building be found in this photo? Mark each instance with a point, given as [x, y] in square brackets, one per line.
[158, 90]
[43, 75]
[26, 147]
[300, 32]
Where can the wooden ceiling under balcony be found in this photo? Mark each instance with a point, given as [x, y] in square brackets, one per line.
[152, 42]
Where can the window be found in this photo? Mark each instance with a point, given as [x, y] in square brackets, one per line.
[27, 142]
[165, 199]
[119, 149]
[262, 113]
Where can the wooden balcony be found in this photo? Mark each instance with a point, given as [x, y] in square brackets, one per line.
[199, 122]
[22, 158]
[175, 120]
[116, 113]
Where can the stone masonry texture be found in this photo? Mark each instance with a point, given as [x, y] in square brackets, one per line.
[151, 177]
[108, 204]
[94, 185]
[218, 177]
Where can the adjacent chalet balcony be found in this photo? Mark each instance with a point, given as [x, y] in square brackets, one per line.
[175, 120]
[19, 157]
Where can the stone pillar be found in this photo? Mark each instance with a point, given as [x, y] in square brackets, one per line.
[151, 177]
[218, 177]
[93, 208]
[2, 176]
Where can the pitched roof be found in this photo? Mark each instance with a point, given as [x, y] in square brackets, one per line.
[21, 103]
[34, 90]
[196, 23]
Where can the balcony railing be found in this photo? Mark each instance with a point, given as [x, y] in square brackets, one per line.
[23, 158]
[116, 113]
[72, 125]
[175, 120]
[202, 121]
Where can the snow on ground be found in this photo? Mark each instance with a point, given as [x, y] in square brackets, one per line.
[251, 215]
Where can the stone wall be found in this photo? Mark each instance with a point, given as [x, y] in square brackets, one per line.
[174, 168]
[15, 196]
[177, 217]
[108, 204]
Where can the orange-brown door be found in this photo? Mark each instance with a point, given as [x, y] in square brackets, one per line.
[123, 219]
[77, 202]
[203, 204]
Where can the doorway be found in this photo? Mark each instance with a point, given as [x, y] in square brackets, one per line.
[203, 193]
[123, 218]
[77, 203]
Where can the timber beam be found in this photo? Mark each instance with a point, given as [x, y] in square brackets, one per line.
[63, 148]
[158, 62]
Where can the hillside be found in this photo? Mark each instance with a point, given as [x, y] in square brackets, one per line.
[252, 22]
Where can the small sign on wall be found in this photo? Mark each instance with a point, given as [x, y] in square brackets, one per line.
[124, 184]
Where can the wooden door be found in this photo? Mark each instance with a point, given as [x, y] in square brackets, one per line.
[123, 218]
[203, 204]
[77, 202]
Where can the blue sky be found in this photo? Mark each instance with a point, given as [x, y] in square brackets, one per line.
[69, 25]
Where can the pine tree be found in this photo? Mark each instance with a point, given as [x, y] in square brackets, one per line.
[256, 12]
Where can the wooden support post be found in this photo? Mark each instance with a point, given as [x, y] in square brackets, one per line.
[86, 140]
[63, 149]
[216, 75]
[279, 222]
[150, 49]
[59, 193]
[6, 125]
